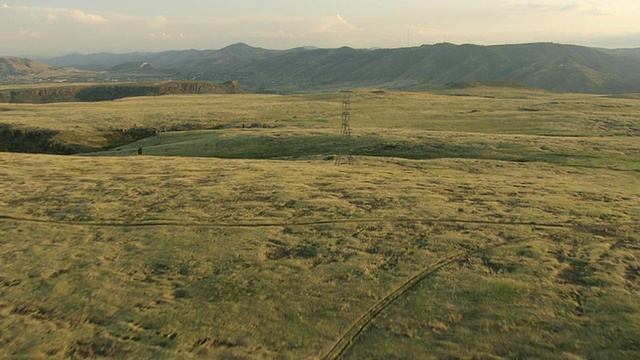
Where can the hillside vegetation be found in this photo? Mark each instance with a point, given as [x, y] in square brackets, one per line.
[544, 65]
[477, 222]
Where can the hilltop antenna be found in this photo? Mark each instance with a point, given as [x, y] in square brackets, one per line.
[345, 132]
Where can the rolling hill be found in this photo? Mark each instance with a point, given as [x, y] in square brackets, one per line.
[19, 66]
[16, 70]
[549, 66]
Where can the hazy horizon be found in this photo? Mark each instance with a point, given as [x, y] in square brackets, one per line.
[59, 27]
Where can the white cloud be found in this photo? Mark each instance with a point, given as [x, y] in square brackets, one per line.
[88, 18]
[157, 21]
[165, 36]
[277, 34]
[29, 33]
[580, 7]
[49, 29]
[55, 14]
[541, 7]
[588, 8]
[334, 24]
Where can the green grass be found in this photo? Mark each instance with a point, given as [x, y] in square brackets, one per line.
[610, 152]
[517, 240]
[498, 112]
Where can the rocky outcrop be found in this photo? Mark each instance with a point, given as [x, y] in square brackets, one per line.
[107, 92]
[40, 96]
[230, 87]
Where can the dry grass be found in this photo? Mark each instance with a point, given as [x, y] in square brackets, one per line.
[476, 110]
[496, 223]
[105, 285]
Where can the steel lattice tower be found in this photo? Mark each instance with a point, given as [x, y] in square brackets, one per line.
[345, 133]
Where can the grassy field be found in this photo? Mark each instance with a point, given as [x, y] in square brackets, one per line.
[496, 223]
[475, 110]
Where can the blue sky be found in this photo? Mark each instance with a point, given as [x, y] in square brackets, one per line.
[57, 27]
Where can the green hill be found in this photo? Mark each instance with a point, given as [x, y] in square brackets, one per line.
[549, 66]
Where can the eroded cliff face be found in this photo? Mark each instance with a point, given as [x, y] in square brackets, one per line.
[231, 87]
[32, 141]
[40, 96]
[107, 92]
[40, 141]
[68, 142]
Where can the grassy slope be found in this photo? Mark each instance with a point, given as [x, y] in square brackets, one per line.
[17, 69]
[477, 122]
[13, 66]
[515, 125]
[102, 276]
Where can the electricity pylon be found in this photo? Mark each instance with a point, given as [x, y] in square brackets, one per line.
[345, 133]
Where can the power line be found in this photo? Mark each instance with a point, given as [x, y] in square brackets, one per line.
[345, 133]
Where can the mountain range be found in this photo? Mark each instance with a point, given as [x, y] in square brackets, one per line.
[549, 66]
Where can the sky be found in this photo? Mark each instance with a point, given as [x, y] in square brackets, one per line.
[59, 27]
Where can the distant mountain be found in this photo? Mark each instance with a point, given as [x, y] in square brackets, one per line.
[549, 66]
[543, 65]
[633, 53]
[104, 61]
[96, 62]
[134, 66]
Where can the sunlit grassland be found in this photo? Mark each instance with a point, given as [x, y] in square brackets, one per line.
[621, 153]
[247, 243]
[484, 110]
[191, 289]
